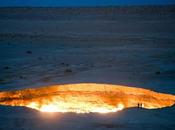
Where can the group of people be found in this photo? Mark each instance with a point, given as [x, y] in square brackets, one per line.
[140, 105]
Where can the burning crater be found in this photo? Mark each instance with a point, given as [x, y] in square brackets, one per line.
[85, 98]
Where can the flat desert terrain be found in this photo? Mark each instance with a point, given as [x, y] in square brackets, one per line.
[132, 46]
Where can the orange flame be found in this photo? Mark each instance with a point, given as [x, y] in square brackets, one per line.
[85, 98]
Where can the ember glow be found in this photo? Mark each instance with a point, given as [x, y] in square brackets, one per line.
[85, 98]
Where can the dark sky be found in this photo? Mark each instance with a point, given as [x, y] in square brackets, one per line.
[82, 2]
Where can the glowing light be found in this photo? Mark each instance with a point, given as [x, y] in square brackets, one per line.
[85, 98]
[120, 106]
[49, 108]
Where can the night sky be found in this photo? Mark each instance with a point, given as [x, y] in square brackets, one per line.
[82, 2]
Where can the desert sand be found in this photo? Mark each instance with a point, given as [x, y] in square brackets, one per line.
[132, 46]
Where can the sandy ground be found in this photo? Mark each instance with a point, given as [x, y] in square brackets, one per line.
[134, 49]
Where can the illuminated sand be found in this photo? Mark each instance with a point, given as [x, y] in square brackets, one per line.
[86, 97]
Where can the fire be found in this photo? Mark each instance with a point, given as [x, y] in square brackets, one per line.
[85, 98]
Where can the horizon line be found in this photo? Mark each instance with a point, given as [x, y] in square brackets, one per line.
[86, 6]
